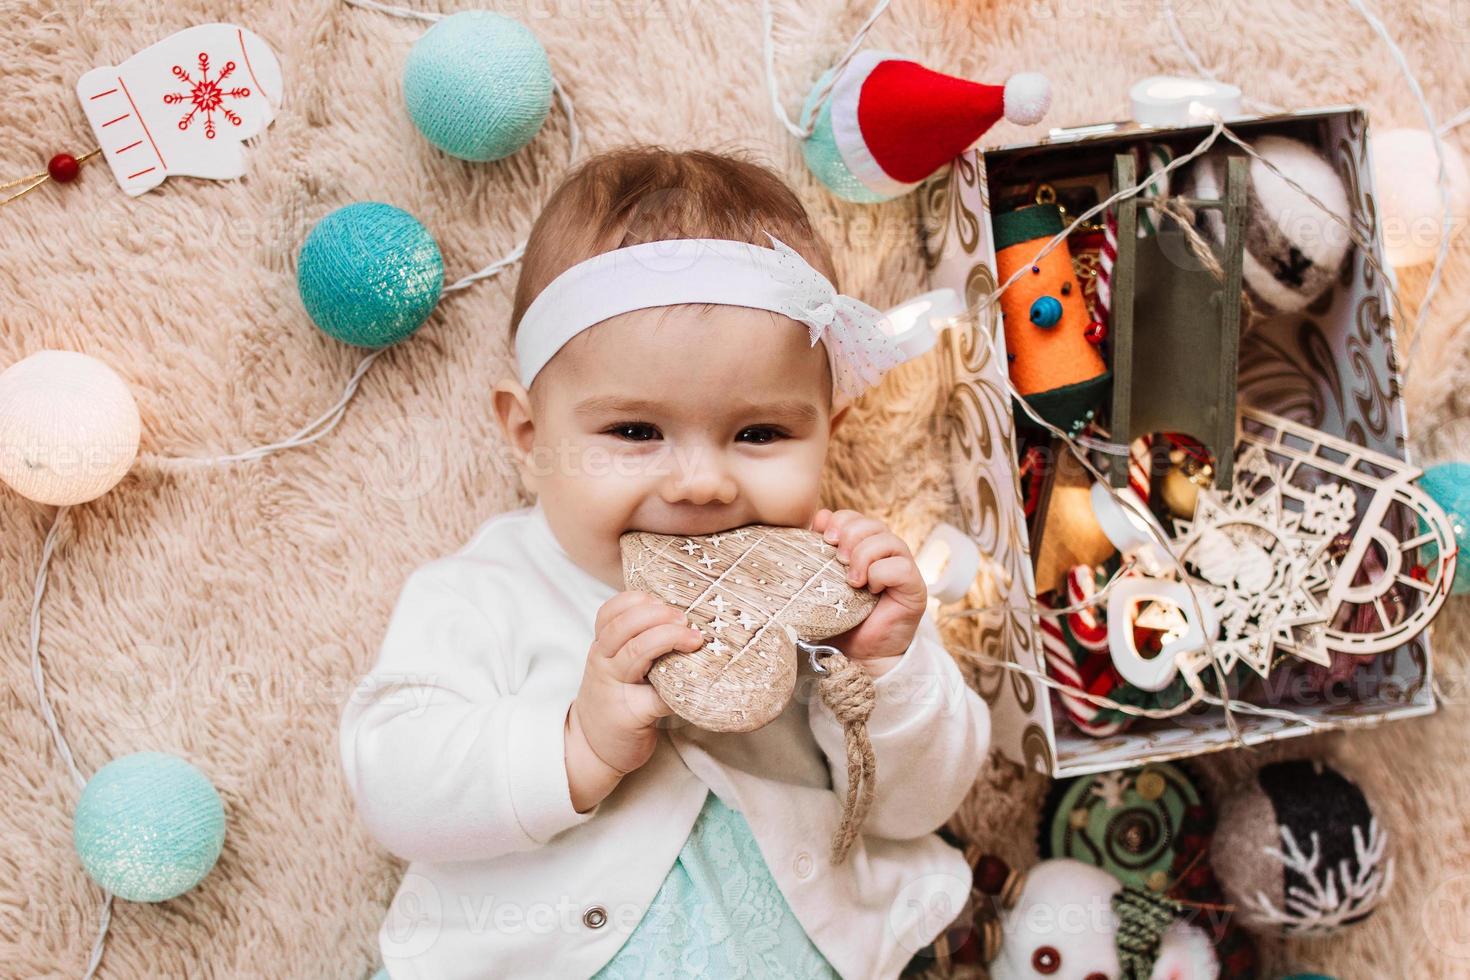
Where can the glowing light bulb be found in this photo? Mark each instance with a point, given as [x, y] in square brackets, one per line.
[69, 427]
[916, 324]
[949, 562]
[1167, 100]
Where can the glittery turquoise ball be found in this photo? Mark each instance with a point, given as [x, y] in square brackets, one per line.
[148, 827]
[823, 158]
[369, 274]
[478, 85]
[1449, 485]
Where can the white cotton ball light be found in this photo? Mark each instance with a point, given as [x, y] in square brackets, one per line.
[69, 427]
[1406, 184]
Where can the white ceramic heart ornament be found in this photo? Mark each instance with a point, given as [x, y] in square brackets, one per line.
[183, 106]
[1173, 611]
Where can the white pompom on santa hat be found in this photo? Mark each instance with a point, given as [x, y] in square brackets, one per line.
[896, 122]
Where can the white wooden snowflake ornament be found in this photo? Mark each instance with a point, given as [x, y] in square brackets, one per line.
[1259, 568]
[1321, 547]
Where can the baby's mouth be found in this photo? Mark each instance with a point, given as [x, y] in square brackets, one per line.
[689, 526]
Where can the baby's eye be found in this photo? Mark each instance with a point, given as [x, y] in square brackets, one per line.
[760, 434]
[633, 431]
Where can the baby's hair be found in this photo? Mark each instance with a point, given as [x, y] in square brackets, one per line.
[638, 194]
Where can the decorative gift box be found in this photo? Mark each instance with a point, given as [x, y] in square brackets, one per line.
[1320, 424]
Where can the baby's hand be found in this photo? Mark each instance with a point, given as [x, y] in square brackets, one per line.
[877, 559]
[616, 711]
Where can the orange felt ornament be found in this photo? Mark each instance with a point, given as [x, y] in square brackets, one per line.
[1051, 341]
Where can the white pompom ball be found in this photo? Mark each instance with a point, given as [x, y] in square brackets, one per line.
[1293, 251]
[1308, 247]
[1406, 183]
[1027, 98]
[69, 427]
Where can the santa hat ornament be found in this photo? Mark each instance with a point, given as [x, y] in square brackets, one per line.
[890, 123]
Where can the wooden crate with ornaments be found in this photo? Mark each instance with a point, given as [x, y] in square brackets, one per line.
[1244, 528]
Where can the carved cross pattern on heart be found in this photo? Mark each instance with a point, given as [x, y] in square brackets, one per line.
[752, 595]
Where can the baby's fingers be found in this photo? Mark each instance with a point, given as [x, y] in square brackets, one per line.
[898, 577]
[636, 618]
[855, 533]
[619, 604]
[630, 664]
[837, 523]
[872, 549]
[646, 704]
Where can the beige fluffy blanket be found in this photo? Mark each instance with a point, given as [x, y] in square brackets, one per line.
[224, 614]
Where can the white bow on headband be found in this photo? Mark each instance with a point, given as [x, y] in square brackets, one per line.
[710, 270]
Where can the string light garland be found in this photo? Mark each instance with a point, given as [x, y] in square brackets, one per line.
[48, 714]
[69, 427]
[149, 824]
[64, 168]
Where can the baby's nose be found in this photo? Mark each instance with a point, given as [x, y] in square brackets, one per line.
[699, 477]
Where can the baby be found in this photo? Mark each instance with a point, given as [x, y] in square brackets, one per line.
[683, 362]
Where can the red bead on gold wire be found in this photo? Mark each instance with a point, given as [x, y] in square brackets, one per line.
[63, 168]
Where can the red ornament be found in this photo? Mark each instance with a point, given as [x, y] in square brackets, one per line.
[1192, 843]
[1096, 332]
[991, 874]
[63, 168]
[1242, 961]
[1419, 573]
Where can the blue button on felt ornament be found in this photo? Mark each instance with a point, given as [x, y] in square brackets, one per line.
[1449, 485]
[1046, 312]
[478, 85]
[148, 827]
[369, 274]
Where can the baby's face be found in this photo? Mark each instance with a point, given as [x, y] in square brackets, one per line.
[678, 421]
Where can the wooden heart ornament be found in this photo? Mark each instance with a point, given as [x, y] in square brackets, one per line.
[752, 592]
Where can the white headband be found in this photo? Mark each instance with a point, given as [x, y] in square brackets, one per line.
[709, 270]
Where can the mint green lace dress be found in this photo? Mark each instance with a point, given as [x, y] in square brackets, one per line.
[718, 914]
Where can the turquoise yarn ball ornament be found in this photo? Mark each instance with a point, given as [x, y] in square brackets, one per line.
[369, 274]
[148, 827]
[1449, 485]
[478, 85]
[825, 160]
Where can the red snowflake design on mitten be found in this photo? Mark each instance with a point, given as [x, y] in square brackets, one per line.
[206, 96]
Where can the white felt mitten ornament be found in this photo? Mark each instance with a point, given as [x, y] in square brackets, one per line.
[183, 106]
